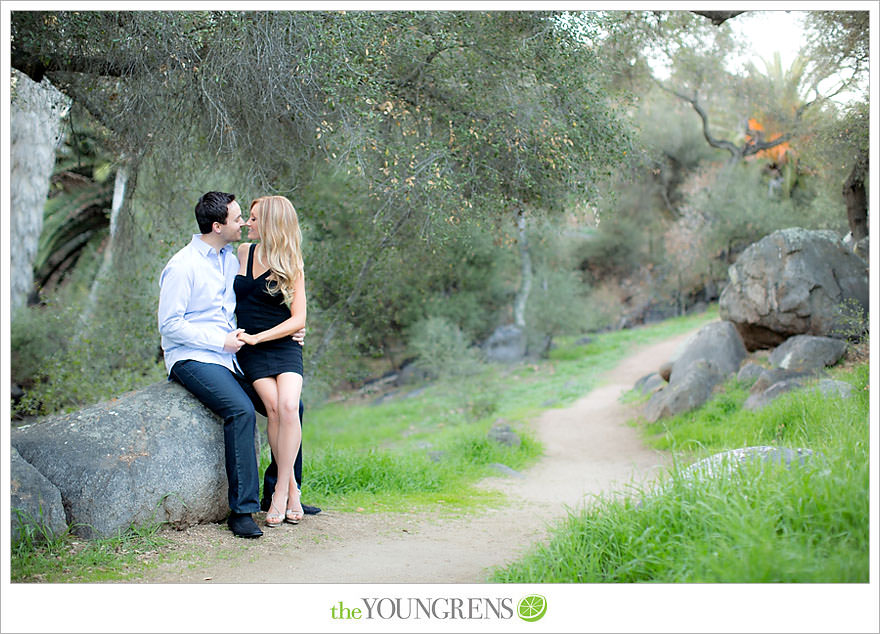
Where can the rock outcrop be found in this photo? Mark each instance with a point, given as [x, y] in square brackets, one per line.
[35, 502]
[506, 345]
[152, 455]
[704, 360]
[793, 282]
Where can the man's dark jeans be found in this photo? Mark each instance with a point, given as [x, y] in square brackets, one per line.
[227, 394]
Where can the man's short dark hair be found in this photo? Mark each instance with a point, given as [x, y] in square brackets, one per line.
[212, 207]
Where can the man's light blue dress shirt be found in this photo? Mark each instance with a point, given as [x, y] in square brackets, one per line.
[197, 304]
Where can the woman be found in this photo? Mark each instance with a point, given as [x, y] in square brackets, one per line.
[271, 306]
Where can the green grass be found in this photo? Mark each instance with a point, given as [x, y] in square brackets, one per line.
[763, 523]
[410, 453]
[70, 559]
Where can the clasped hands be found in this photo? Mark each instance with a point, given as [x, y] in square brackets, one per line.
[238, 338]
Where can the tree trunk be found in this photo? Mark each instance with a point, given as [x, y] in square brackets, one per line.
[35, 117]
[856, 200]
[522, 295]
[123, 189]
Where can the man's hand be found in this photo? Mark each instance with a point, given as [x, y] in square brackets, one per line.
[250, 340]
[299, 336]
[233, 343]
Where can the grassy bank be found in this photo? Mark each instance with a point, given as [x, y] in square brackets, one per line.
[764, 523]
[422, 447]
[428, 443]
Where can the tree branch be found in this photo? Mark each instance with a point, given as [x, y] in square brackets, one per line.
[37, 67]
[718, 17]
[735, 152]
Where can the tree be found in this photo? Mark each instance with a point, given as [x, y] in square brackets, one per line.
[838, 44]
[439, 116]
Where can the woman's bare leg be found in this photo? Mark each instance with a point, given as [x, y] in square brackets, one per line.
[267, 389]
[289, 437]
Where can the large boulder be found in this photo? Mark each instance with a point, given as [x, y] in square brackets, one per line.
[705, 359]
[34, 502]
[718, 343]
[686, 393]
[152, 455]
[727, 462]
[793, 282]
[806, 352]
[506, 345]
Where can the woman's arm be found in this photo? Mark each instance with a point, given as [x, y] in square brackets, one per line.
[296, 321]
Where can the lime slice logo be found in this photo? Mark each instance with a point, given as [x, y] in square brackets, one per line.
[532, 607]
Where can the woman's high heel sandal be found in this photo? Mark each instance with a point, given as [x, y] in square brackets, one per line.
[274, 519]
[293, 516]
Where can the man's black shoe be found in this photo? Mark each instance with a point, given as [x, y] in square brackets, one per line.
[308, 510]
[243, 525]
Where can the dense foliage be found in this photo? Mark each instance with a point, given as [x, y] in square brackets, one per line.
[438, 159]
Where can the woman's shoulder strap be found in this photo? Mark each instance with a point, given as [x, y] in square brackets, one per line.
[250, 266]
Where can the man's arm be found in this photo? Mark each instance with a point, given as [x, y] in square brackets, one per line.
[175, 290]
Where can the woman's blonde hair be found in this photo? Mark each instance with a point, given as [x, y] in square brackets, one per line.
[280, 240]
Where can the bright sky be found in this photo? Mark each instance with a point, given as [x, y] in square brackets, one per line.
[771, 32]
[767, 32]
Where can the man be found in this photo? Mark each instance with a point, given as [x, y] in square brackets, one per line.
[199, 338]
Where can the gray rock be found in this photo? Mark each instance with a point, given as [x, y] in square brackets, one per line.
[771, 376]
[792, 282]
[727, 462]
[416, 392]
[35, 503]
[411, 373]
[503, 468]
[862, 248]
[807, 352]
[749, 372]
[718, 343]
[504, 435]
[152, 455]
[384, 398]
[761, 399]
[436, 456]
[835, 389]
[649, 384]
[506, 345]
[688, 392]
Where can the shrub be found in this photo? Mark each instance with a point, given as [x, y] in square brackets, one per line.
[441, 349]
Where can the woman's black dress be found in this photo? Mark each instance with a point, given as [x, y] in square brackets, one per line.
[256, 310]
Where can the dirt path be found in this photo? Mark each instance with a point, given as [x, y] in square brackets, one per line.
[589, 449]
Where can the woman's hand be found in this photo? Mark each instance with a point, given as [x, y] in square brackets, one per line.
[299, 336]
[250, 340]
